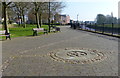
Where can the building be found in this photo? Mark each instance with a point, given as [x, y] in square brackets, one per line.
[62, 19]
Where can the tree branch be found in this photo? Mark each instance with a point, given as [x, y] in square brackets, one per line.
[8, 3]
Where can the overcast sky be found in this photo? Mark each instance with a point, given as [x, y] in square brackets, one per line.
[88, 9]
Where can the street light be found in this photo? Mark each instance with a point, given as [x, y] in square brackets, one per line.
[77, 17]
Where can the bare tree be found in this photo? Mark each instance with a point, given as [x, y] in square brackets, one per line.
[21, 9]
[41, 11]
[38, 10]
[55, 8]
[11, 15]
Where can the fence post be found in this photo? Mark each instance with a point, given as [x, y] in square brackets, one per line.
[103, 29]
[95, 27]
[85, 25]
[90, 27]
[112, 28]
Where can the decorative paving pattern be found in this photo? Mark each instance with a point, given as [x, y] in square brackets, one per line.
[7, 62]
[77, 56]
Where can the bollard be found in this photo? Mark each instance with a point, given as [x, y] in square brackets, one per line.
[103, 29]
[95, 26]
[85, 25]
[71, 25]
[90, 27]
[74, 25]
[112, 28]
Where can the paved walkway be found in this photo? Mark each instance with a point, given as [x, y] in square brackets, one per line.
[29, 56]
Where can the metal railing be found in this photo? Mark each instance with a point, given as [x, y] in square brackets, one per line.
[108, 29]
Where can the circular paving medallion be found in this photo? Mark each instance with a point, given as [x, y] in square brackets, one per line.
[77, 56]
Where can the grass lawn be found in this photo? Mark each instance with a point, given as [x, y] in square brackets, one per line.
[109, 25]
[17, 31]
[20, 31]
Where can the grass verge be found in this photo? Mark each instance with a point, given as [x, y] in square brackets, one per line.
[17, 31]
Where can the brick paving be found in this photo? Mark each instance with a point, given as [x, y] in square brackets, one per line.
[29, 56]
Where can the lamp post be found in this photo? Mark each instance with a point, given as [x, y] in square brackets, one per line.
[77, 23]
[77, 17]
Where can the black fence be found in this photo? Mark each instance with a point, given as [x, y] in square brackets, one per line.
[108, 29]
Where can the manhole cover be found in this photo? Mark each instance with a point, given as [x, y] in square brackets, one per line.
[77, 56]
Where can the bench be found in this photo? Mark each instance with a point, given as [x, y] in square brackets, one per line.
[3, 33]
[36, 30]
[54, 29]
[57, 29]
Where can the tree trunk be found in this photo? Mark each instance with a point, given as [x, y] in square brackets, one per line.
[18, 19]
[21, 19]
[24, 24]
[4, 16]
[37, 20]
[40, 20]
[9, 20]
